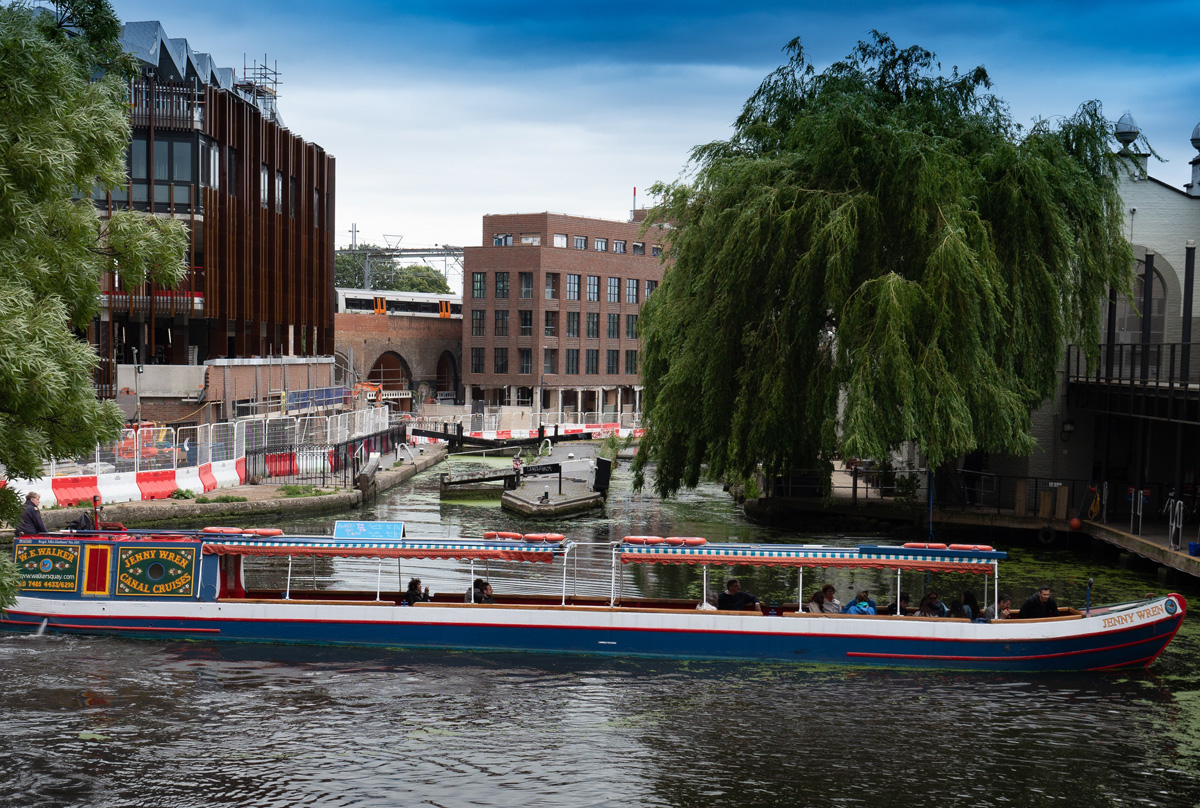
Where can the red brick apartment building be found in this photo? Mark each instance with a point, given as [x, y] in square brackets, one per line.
[550, 310]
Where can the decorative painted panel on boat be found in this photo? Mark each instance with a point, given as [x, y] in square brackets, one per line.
[156, 571]
[48, 566]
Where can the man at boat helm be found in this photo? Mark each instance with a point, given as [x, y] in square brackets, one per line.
[1040, 604]
[734, 599]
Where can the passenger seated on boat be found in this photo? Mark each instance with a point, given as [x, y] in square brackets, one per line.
[931, 606]
[481, 592]
[1039, 604]
[861, 604]
[734, 599]
[967, 606]
[414, 595]
[1005, 603]
[830, 604]
[900, 606]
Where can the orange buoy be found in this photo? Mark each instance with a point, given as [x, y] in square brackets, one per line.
[552, 538]
[643, 539]
[694, 541]
[1076, 523]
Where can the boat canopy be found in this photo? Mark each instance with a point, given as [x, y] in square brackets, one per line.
[809, 555]
[462, 549]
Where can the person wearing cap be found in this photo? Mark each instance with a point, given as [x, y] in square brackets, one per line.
[861, 604]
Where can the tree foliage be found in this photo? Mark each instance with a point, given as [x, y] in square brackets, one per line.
[387, 275]
[64, 127]
[879, 254]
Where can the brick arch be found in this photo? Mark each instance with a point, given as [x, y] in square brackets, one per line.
[391, 371]
[447, 373]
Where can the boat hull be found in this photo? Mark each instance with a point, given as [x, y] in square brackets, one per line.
[1124, 636]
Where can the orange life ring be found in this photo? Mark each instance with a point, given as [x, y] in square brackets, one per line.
[222, 530]
[501, 534]
[265, 531]
[694, 541]
[643, 539]
[980, 547]
[918, 545]
[678, 541]
[552, 538]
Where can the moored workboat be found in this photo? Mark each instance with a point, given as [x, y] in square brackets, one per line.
[191, 584]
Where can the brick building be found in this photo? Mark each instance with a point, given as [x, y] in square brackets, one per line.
[409, 343]
[210, 149]
[550, 310]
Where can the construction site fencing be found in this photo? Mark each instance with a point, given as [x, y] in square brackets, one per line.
[152, 462]
[320, 464]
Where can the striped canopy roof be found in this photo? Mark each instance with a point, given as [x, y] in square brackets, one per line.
[807, 555]
[464, 549]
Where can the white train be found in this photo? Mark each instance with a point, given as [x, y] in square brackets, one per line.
[412, 304]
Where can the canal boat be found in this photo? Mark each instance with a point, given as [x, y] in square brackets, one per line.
[192, 585]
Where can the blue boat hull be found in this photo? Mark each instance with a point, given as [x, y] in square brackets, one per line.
[848, 642]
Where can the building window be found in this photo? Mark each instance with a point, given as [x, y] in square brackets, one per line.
[181, 162]
[525, 279]
[639, 248]
[631, 362]
[279, 192]
[264, 185]
[656, 250]
[614, 326]
[478, 322]
[552, 286]
[560, 240]
[551, 323]
[550, 361]
[572, 287]
[630, 326]
[292, 191]
[650, 287]
[592, 357]
[593, 325]
[572, 324]
[479, 285]
[501, 285]
[532, 239]
[631, 290]
[601, 244]
[501, 365]
[502, 240]
[231, 160]
[619, 247]
[526, 316]
[477, 360]
[501, 323]
[525, 361]
[614, 290]
[612, 363]
[593, 287]
[572, 361]
[137, 159]
[581, 242]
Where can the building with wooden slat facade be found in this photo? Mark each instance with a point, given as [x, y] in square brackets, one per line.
[209, 148]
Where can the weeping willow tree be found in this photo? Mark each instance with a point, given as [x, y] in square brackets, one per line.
[878, 254]
[64, 127]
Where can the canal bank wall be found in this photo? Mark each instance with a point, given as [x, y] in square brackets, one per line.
[260, 500]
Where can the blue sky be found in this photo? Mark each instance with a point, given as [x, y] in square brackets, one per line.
[440, 112]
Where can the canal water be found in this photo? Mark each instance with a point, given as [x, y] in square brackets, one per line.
[103, 722]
